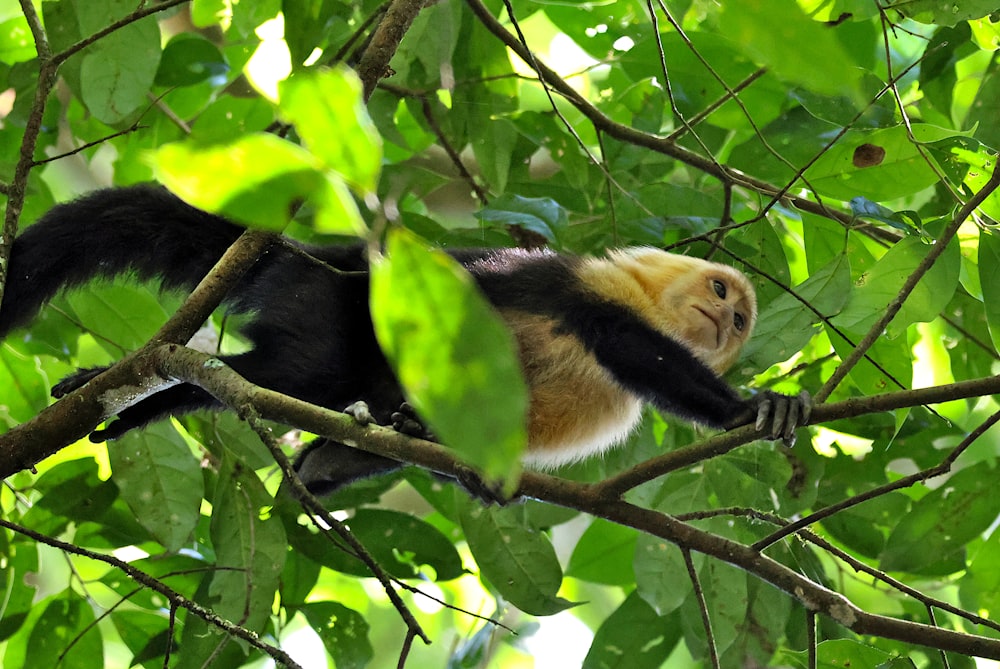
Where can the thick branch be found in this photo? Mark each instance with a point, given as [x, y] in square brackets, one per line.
[175, 362]
[858, 406]
[230, 388]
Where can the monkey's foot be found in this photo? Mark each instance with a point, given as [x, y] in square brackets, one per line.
[360, 412]
[406, 421]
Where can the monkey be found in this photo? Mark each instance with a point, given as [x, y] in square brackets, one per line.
[597, 337]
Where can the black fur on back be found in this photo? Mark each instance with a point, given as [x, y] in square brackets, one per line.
[311, 330]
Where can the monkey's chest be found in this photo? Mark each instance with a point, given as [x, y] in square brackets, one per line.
[576, 408]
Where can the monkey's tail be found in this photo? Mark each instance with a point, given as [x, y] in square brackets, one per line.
[143, 230]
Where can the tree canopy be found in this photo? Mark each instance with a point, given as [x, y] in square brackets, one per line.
[842, 154]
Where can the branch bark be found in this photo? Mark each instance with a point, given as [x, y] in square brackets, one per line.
[175, 362]
[374, 63]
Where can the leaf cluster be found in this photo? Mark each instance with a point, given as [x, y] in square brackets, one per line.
[842, 154]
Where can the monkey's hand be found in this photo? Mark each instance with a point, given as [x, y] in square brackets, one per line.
[778, 415]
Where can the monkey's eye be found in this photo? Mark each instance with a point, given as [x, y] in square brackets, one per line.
[719, 288]
[739, 322]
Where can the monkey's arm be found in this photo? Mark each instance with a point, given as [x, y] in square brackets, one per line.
[666, 374]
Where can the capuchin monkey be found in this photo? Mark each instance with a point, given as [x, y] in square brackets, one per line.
[597, 337]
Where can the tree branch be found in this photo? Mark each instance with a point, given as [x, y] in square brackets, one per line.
[374, 63]
[893, 308]
[664, 145]
[190, 366]
[176, 599]
[858, 406]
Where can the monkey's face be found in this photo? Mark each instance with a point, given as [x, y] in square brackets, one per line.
[712, 309]
[708, 307]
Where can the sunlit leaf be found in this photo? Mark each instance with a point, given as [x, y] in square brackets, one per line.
[328, 114]
[455, 358]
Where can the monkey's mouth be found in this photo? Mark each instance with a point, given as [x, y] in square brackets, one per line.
[714, 322]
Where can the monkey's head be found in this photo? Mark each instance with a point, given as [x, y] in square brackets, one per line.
[709, 307]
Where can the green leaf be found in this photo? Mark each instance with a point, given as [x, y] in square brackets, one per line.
[882, 283]
[659, 567]
[516, 560]
[249, 544]
[17, 559]
[689, 73]
[754, 477]
[403, 545]
[975, 164]
[634, 637]
[257, 180]
[726, 593]
[330, 117]
[838, 654]
[118, 70]
[938, 74]
[63, 636]
[540, 214]
[989, 280]
[25, 395]
[160, 480]
[980, 590]
[205, 13]
[931, 538]
[145, 634]
[493, 145]
[344, 633]
[16, 44]
[786, 324]
[123, 316]
[946, 14]
[864, 527]
[798, 49]
[895, 356]
[604, 554]
[228, 118]
[190, 59]
[72, 491]
[454, 356]
[908, 220]
[878, 164]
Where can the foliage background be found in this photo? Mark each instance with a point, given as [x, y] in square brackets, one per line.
[825, 148]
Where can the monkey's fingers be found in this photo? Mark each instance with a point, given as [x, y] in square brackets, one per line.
[799, 412]
[791, 422]
[805, 400]
[778, 415]
[406, 421]
[763, 412]
[780, 418]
